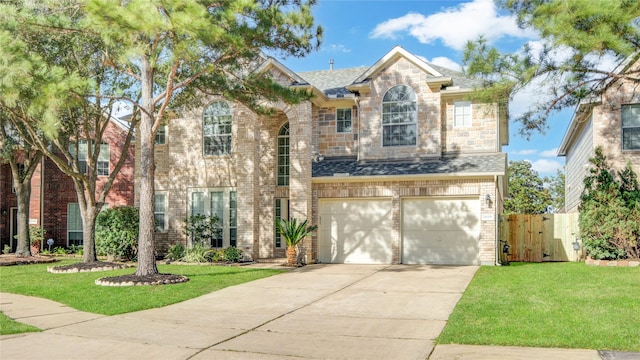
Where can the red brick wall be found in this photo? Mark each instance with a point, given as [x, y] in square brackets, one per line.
[7, 201]
[59, 190]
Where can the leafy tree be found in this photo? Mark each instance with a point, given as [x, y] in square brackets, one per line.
[609, 217]
[175, 53]
[556, 190]
[61, 96]
[527, 194]
[23, 160]
[579, 38]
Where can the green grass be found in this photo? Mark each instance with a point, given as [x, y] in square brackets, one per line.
[9, 326]
[79, 291]
[565, 305]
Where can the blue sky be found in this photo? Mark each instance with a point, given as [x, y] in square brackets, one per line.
[359, 32]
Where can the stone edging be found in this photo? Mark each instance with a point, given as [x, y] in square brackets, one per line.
[621, 263]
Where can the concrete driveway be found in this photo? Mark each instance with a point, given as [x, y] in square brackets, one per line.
[315, 312]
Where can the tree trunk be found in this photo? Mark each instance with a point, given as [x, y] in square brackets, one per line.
[89, 216]
[146, 245]
[291, 256]
[23, 194]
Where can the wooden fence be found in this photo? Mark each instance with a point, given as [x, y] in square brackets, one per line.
[538, 238]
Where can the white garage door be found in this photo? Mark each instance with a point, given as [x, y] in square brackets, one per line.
[355, 231]
[442, 231]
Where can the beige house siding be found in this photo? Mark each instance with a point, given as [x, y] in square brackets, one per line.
[577, 166]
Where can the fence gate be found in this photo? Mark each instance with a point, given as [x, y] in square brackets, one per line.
[538, 238]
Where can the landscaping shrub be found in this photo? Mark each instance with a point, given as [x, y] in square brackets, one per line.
[232, 254]
[610, 211]
[198, 253]
[175, 253]
[117, 232]
[202, 229]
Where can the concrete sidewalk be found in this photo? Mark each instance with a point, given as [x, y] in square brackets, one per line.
[315, 312]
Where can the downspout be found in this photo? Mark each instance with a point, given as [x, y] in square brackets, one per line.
[42, 198]
[357, 104]
[497, 222]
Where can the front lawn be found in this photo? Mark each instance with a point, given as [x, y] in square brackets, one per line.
[79, 291]
[565, 305]
[9, 326]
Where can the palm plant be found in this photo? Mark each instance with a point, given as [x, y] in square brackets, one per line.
[293, 233]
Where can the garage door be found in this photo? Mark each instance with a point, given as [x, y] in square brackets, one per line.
[440, 231]
[355, 231]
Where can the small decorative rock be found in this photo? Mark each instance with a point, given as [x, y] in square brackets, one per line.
[134, 280]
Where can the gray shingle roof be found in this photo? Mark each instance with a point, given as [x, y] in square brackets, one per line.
[490, 164]
[334, 82]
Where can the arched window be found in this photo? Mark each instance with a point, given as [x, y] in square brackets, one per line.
[216, 129]
[399, 114]
[283, 155]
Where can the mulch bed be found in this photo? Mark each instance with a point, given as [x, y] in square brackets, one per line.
[11, 259]
[134, 280]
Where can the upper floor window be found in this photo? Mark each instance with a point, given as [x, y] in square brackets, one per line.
[216, 129]
[631, 127]
[343, 120]
[82, 155]
[283, 155]
[399, 115]
[462, 114]
[161, 135]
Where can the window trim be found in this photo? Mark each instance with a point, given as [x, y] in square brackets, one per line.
[464, 124]
[75, 231]
[413, 99]
[339, 120]
[161, 135]
[164, 226]
[227, 220]
[278, 241]
[227, 142]
[283, 133]
[623, 127]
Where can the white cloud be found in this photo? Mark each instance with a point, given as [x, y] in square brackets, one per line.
[524, 152]
[453, 26]
[544, 166]
[336, 48]
[549, 153]
[446, 62]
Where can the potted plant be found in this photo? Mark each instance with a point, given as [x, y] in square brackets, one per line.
[293, 233]
[36, 237]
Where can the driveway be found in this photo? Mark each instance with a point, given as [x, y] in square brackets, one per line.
[316, 312]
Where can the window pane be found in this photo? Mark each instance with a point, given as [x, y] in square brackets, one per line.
[283, 156]
[631, 138]
[399, 107]
[216, 129]
[74, 225]
[233, 218]
[197, 203]
[159, 212]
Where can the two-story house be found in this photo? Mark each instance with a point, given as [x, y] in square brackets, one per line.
[54, 203]
[610, 120]
[393, 162]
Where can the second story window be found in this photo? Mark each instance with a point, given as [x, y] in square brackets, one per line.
[283, 156]
[82, 154]
[631, 127]
[462, 114]
[216, 129]
[343, 120]
[161, 135]
[399, 116]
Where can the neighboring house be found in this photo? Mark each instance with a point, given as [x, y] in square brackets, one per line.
[392, 162]
[54, 203]
[611, 121]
